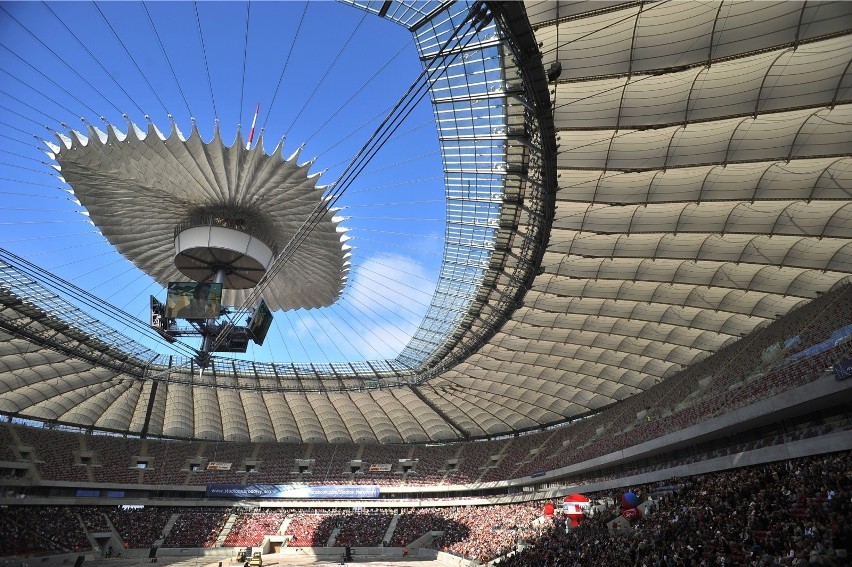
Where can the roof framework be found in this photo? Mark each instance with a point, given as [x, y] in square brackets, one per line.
[683, 180]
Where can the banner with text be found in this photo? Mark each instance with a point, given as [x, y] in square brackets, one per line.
[291, 491]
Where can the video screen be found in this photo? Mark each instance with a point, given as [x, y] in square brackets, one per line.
[260, 322]
[193, 300]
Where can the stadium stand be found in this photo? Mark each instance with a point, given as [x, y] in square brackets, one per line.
[692, 361]
[196, 527]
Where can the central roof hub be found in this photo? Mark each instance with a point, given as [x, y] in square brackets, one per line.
[202, 251]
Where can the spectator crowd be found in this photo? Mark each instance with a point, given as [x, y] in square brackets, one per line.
[787, 513]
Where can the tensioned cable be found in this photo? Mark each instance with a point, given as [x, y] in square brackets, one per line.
[331, 340]
[245, 58]
[368, 151]
[59, 104]
[54, 83]
[95, 59]
[19, 115]
[295, 334]
[378, 316]
[166, 57]
[325, 75]
[387, 128]
[204, 54]
[61, 59]
[399, 163]
[22, 156]
[324, 331]
[392, 186]
[395, 164]
[352, 133]
[388, 299]
[397, 137]
[132, 59]
[299, 241]
[395, 267]
[354, 332]
[282, 342]
[398, 113]
[284, 67]
[438, 238]
[388, 302]
[356, 93]
[395, 204]
[16, 166]
[86, 298]
[37, 195]
[10, 138]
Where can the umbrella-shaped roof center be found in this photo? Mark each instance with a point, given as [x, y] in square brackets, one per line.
[183, 208]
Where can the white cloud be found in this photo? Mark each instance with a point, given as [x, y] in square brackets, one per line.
[389, 295]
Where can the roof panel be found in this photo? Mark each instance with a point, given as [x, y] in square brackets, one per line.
[258, 420]
[704, 174]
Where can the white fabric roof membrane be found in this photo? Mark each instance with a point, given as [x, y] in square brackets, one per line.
[704, 159]
[138, 187]
[704, 175]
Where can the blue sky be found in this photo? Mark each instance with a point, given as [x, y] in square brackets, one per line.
[325, 75]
